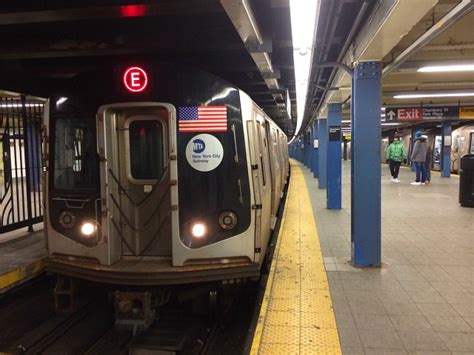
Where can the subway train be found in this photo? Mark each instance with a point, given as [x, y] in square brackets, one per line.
[159, 174]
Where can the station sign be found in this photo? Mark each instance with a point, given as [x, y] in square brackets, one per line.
[466, 113]
[334, 133]
[416, 114]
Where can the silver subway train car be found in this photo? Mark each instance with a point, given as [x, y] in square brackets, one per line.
[159, 174]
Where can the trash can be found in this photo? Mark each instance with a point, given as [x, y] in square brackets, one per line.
[466, 181]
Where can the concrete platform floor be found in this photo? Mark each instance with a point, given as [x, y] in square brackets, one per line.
[21, 259]
[421, 301]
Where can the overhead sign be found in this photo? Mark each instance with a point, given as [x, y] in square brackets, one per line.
[415, 114]
[466, 113]
[135, 79]
[204, 152]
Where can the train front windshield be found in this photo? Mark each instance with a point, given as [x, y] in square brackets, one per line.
[75, 158]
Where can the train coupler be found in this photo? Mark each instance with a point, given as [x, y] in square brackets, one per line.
[133, 310]
[65, 294]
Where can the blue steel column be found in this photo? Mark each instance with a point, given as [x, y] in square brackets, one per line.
[446, 149]
[323, 140]
[307, 150]
[365, 148]
[333, 192]
[301, 149]
[298, 149]
[412, 142]
[315, 150]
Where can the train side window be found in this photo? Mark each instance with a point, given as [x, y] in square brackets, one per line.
[146, 149]
[262, 145]
[472, 143]
[75, 154]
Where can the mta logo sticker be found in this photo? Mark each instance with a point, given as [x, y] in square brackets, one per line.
[198, 146]
[204, 152]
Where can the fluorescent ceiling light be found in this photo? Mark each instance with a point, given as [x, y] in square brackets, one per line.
[304, 21]
[435, 94]
[61, 100]
[20, 105]
[446, 68]
[390, 124]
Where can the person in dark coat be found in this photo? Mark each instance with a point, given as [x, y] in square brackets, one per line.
[429, 154]
[418, 157]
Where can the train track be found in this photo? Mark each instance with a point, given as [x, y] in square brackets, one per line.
[33, 327]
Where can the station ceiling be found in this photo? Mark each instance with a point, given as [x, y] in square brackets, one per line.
[56, 39]
[43, 40]
[49, 39]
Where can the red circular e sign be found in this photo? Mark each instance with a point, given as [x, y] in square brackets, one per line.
[135, 79]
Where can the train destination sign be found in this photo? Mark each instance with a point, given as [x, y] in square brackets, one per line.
[427, 113]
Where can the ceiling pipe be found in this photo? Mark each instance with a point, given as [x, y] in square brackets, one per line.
[330, 88]
[243, 18]
[328, 33]
[347, 43]
[336, 65]
[458, 12]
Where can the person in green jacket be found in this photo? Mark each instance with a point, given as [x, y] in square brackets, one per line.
[396, 154]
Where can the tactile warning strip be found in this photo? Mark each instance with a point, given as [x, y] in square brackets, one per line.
[297, 315]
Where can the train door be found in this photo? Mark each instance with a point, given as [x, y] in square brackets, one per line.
[135, 143]
[471, 146]
[430, 143]
[258, 145]
[456, 149]
[437, 146]
[275, 171]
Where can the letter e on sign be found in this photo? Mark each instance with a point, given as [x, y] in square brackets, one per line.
[135, 79]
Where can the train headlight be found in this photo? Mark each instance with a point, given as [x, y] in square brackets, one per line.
[67, 219]
[88, 229]
[198, 230]
[228, 220]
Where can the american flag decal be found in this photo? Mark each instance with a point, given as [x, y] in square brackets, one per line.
[202, 119]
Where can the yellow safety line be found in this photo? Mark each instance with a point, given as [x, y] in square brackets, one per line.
[23, 272]
[296, 315]
[257, 337]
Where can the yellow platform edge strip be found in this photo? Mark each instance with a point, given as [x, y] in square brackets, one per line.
[257, 337]
[21, 273]
[332, 344]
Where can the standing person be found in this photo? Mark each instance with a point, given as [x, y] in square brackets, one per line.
[418, 157]
[429, 154]
[395, 154]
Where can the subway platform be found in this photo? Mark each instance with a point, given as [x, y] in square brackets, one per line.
[420, 301]
[21, 259]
